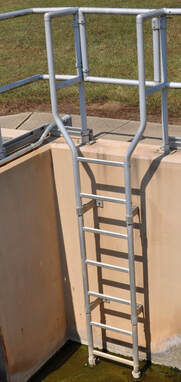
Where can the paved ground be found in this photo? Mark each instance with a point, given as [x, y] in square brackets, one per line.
[106, 128]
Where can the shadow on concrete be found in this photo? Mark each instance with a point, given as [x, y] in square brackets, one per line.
[55, 363]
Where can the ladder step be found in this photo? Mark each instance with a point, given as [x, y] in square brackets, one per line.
[100, 161]
[103, 232]
[109, 266]
[113, 357]
[108, 327]
[103, 198]
[108, 298]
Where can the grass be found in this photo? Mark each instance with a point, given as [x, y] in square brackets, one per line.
[111, 48]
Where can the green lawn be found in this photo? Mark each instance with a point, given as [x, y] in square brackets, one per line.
[111, 48]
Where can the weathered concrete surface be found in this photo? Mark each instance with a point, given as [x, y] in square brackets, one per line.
[106, 128]
[32, 308]
[14, 121]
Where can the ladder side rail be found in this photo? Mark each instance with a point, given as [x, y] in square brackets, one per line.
[143, 117]
[53, 95]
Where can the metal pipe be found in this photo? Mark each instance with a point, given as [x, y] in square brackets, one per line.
[19, 83]
[83, 113]
[113, 357]
[156, 48]
[149, 15]
[156, 88]
[108, 298]
[103, 198]
[107, 266]
[10, 15]
[109, 80]
[66, 83]
[173, 85]
[49, 46]
[132, 146]
[112, 328]
[172, 11]
[163, 46]
[83, 41]
[29, 148]
[28, 11]
[58, 76]
[114, 11]
[104, 232]
[117, 81]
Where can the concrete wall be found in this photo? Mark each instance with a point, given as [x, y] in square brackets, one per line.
[41, 294]
[156, 189]
[32, 309]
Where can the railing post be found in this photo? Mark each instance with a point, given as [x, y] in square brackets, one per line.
[84, 132]
[156, 48]
[83, 40]
[163, 48]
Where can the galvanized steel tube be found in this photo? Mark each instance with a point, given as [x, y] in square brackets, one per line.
[83, 114]
[163, 46]
[156, 48]
[49, 44]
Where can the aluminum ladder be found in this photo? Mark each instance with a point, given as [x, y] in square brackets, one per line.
[136, 309]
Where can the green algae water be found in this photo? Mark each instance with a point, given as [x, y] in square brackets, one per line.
[70, 365]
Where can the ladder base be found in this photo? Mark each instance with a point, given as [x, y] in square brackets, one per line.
[113, 357]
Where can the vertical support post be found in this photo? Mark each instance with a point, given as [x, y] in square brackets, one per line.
[83, 41]
[156, 49]
[163, 47]
[53, 95]
[83, 114]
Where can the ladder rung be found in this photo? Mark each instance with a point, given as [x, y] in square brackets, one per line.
[103, 198]
[100, 161]
[103, 232]
[113, 357]
[109, 266]
[103, 326]
[108, 298]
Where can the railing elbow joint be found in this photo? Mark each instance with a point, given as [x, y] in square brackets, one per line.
[139, 19]
[47, 17]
